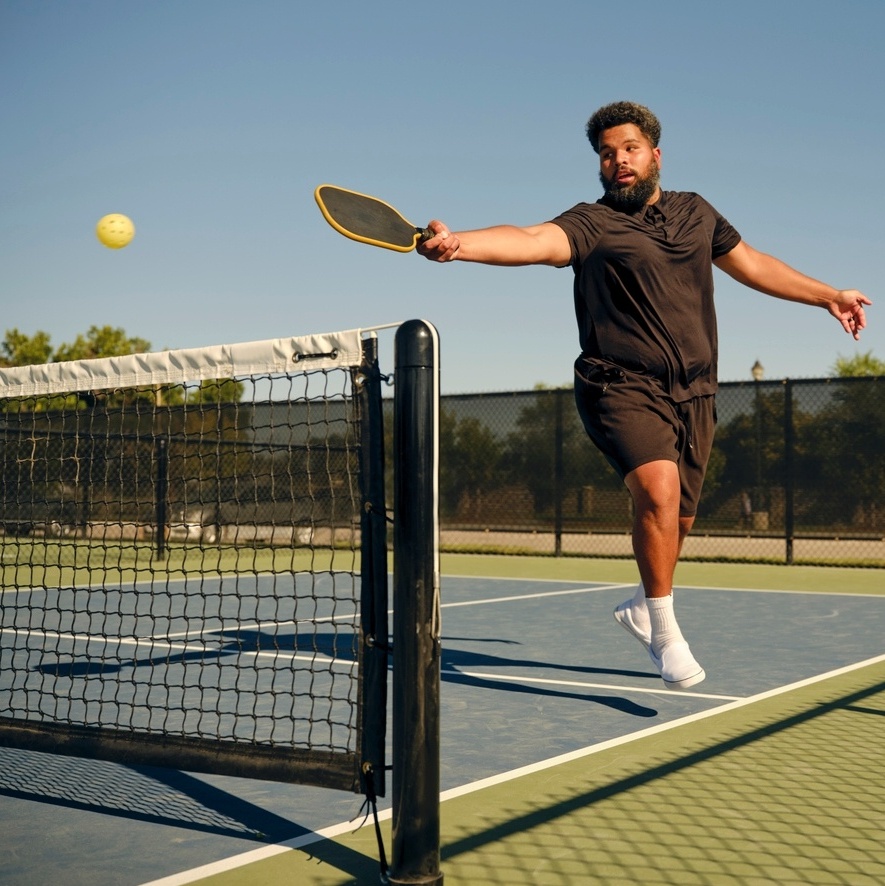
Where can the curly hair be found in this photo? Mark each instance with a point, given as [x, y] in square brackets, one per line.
[619, 113]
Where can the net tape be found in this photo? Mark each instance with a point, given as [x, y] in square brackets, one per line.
[281, 355]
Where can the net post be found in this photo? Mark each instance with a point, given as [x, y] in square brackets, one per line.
[416, 609]
[374, 648]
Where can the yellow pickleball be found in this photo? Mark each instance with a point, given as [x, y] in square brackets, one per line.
[115, 231]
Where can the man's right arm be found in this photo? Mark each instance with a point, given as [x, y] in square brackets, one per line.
[506, 245]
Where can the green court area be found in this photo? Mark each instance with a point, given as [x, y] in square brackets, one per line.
[27, 562]
[832, 580]
[788, 789]
[33, 562]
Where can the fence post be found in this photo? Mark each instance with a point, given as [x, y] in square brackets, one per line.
[558, 479]
[789, 445]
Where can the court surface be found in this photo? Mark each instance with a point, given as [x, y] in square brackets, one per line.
[564, 760]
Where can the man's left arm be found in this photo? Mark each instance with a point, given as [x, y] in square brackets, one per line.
[773, 277]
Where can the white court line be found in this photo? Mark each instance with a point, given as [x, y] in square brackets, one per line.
[256, 855]
[582, 685]
[353, 616]
[259, 625]
[676, 587]
[536, 596]
[154, 643]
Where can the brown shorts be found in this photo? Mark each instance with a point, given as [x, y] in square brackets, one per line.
[633, 420]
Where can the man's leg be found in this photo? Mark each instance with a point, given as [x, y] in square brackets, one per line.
[658, 535]
[656, 529]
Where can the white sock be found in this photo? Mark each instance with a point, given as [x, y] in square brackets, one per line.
[664, 627]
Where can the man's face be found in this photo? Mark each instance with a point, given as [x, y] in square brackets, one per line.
[629, 167]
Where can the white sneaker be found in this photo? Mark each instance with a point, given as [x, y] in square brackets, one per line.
[624, 617]
[677, 665]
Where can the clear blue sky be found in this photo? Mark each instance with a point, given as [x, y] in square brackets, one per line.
[210, 122]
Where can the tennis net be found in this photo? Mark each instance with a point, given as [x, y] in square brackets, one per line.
[195, 559]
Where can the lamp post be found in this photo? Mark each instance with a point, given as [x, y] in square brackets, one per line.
[760, 509]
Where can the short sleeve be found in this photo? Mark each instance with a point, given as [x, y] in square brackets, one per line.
[583, 225]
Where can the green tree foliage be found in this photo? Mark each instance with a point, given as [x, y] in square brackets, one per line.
[472, 455]
[852, 479]
[217, 390]
[865, 365]
[542, 423]
[19, 349]
[101, 341]
[835, 466]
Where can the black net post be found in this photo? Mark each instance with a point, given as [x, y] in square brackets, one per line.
[373, 573]
[416, 620]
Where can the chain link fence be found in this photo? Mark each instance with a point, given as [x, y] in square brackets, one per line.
[797, 475]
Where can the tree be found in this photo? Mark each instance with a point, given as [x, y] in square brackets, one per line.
[218, 390]
[101, 341]
[865, 365]
[531, 455]
[852, 477]
[471, 454]
[18, 349]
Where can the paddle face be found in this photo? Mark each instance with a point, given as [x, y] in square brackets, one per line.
[367, 219]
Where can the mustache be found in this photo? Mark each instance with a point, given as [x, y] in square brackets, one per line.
[651, 174]
[622, 169]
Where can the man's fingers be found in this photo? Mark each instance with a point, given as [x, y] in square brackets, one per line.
[442, 246]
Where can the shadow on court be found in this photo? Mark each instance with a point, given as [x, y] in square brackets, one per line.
[341, 646]
[139, 793]
[456, 664]
[161, 797]
[337, 646]
[622, 705]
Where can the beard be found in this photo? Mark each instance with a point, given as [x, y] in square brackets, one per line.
[635, 196]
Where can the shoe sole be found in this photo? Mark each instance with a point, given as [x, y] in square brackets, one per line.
[678, 685]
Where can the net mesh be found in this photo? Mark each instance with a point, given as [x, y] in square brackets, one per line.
[181, 556]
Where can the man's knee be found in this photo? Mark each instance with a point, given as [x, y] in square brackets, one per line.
[655, 486]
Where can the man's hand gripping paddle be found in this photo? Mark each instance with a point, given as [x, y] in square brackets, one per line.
[368, 219]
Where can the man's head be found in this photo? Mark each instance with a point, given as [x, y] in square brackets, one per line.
[626, 135]
[619, 113]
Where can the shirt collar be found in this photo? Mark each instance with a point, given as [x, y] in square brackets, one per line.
[650, 213]
[659, 208]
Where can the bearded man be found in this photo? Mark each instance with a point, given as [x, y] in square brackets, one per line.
[645, 381]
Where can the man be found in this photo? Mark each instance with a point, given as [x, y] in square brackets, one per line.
[646, 377]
